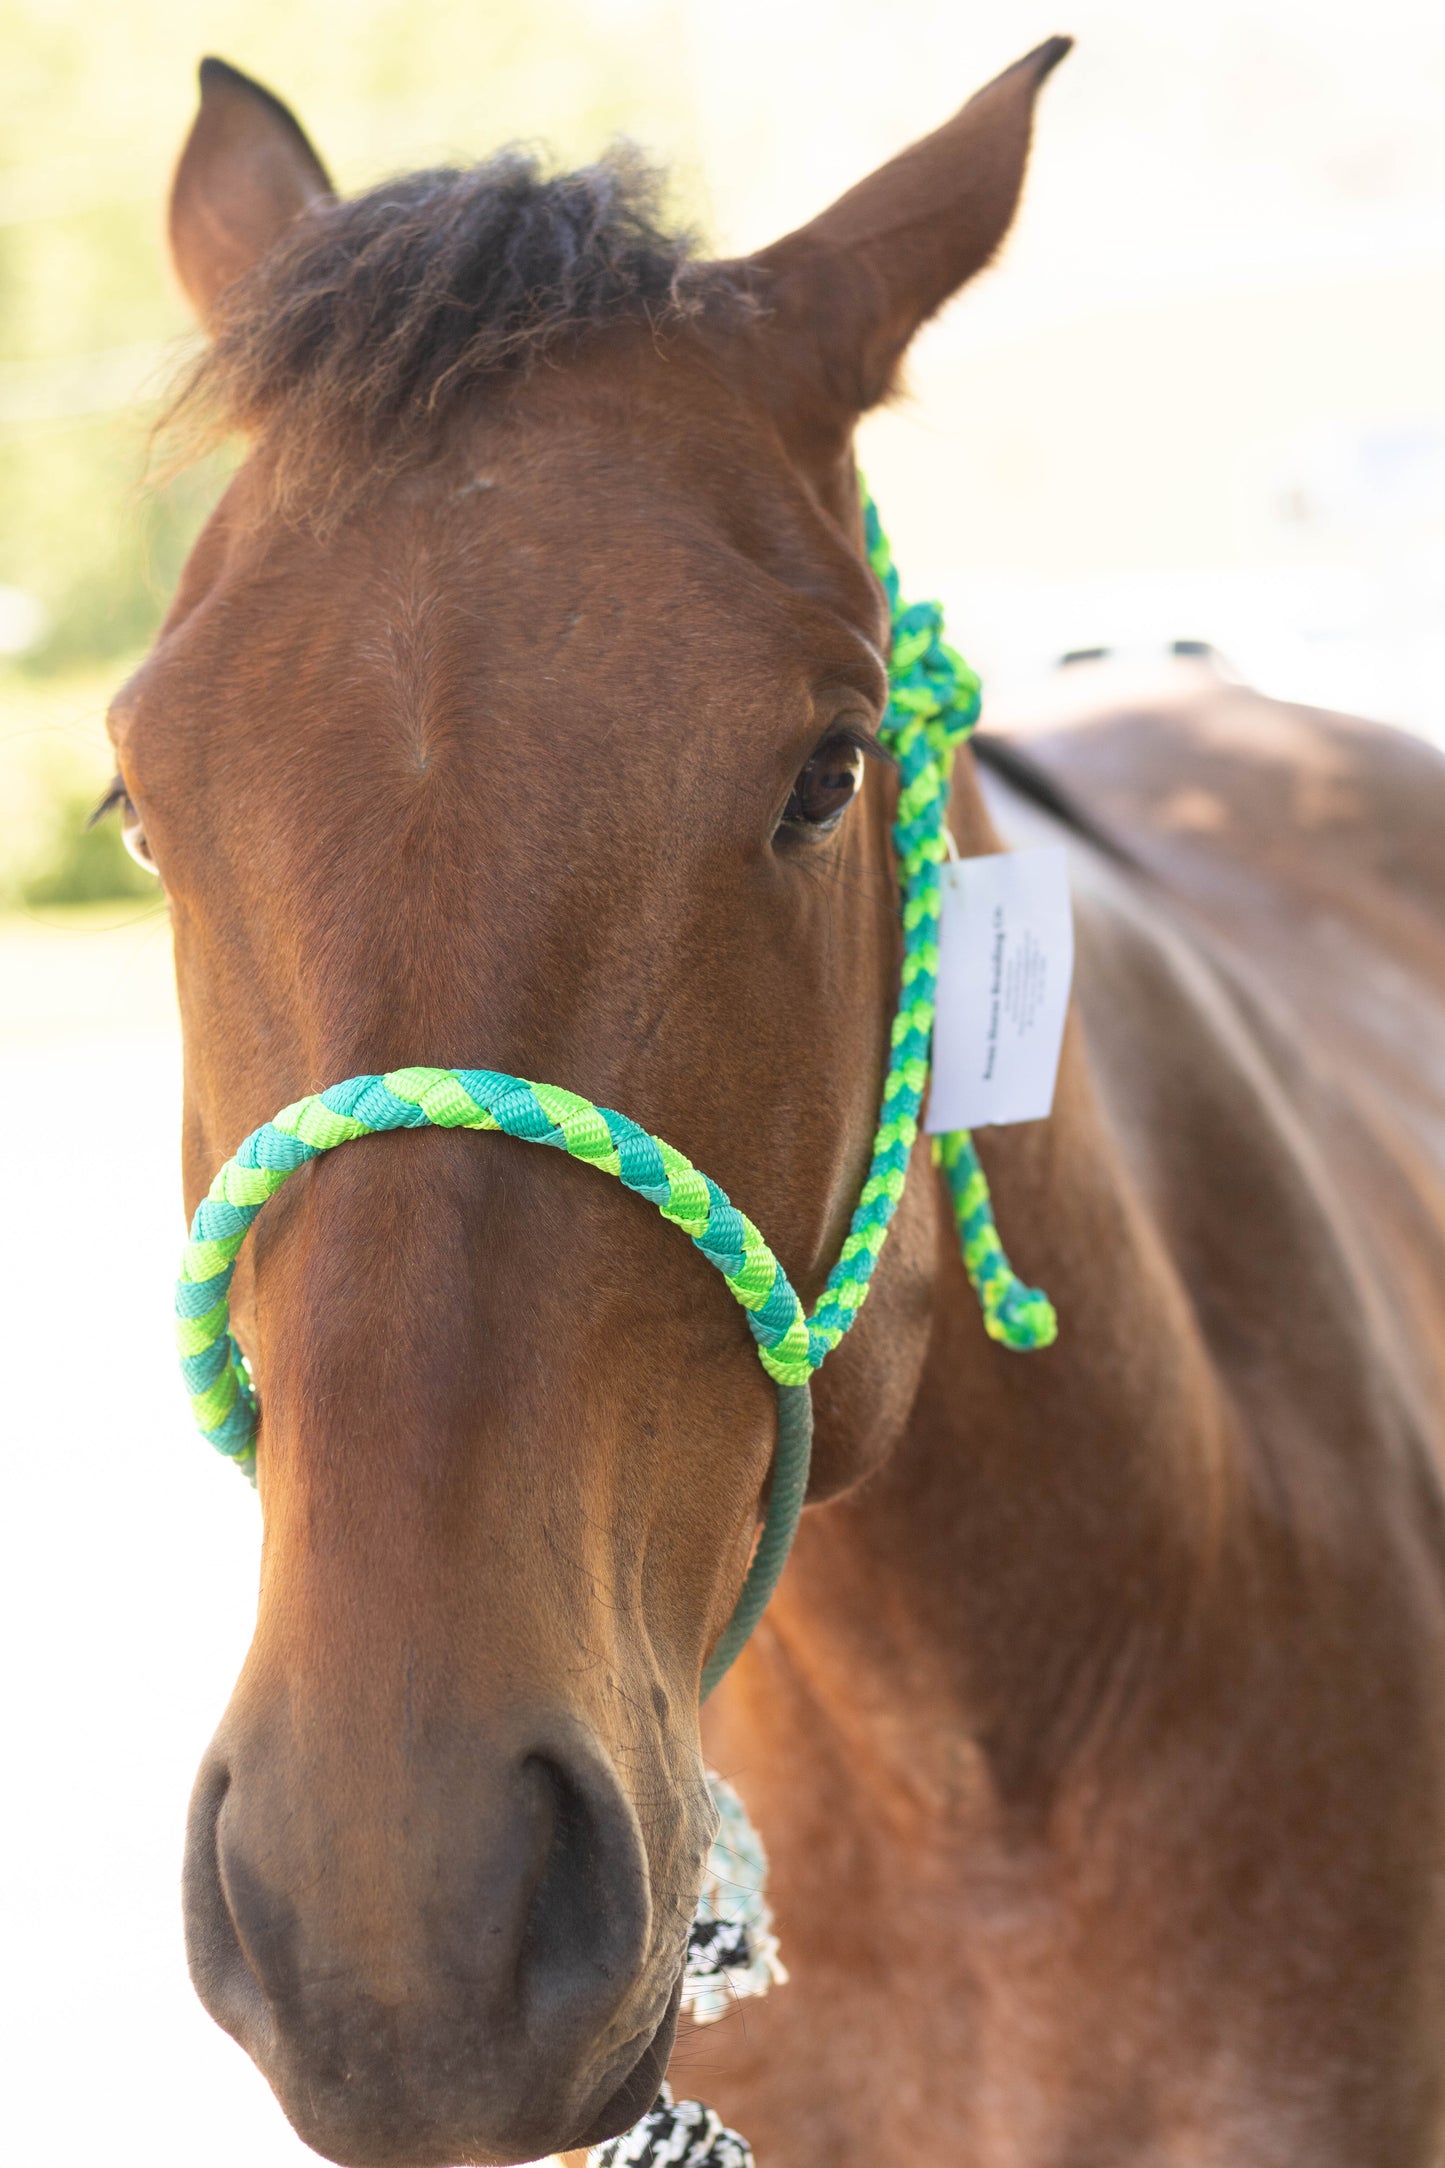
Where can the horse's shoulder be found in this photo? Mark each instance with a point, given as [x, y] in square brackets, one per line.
[1265, 926]
[1307, 846]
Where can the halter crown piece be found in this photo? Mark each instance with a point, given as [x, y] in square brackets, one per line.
[932, 708]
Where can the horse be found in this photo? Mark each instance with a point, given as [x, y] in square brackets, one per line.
[518, 705]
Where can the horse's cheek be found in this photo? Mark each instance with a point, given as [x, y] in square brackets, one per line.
[863, 1393]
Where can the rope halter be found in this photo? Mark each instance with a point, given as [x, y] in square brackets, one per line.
[933, 706]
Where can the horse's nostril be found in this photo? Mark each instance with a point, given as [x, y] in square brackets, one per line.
[588, 1925]
[561, 1899]
[480, 1986]
[531, 1945]
[219, 1967]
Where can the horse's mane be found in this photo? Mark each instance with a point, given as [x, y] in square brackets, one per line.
[356, 338]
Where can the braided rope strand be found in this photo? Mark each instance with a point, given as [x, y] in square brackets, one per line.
[933, 706]
[217, 1379]
[675, 2134]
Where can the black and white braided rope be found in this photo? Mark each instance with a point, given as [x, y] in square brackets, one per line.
[715, 1948]
[675, 2134]
[731, 1952]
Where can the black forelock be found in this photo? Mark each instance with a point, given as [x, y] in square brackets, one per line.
[358, 335]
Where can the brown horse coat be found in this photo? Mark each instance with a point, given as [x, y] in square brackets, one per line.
[1096, 1730]
[1121, 1686]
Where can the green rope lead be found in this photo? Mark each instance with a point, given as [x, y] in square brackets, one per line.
[933, 705]
[780, 1524]
[1018, 1316]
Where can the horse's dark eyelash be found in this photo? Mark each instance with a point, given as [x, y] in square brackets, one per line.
[116, 795]
[863, 740]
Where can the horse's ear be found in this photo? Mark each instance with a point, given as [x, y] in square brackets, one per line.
[846, 292]
[246, 172]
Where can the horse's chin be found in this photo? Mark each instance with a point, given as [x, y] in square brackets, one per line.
[502, 2133]
[637, 2091]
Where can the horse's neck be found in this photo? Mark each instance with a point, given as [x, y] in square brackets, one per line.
[1043, 1514]
[1061, 1533]
[1040, 1511]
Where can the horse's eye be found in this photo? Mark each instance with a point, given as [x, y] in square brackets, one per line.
[133, 836]
[827, 786]
[118, 800]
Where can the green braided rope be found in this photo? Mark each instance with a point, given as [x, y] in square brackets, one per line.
[1017, 1316]
[364, 1106]
[933, 705]
[786, 1493]
[216, 1374]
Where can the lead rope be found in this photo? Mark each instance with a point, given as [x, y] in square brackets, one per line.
[933, 706]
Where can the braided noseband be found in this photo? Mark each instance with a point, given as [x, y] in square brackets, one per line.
[933, 705]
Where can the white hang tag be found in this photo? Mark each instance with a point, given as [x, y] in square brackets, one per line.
[1005, 960]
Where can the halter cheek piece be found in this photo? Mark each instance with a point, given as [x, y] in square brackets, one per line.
[933, 706]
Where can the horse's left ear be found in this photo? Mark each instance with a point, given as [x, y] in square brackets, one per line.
[845, 293]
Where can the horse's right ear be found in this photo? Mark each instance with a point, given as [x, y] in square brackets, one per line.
[246, 172]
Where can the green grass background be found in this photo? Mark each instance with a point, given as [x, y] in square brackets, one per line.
[94, 105]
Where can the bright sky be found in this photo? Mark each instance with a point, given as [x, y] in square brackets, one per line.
[1203, 392]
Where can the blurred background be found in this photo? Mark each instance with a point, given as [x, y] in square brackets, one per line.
[1202, 397]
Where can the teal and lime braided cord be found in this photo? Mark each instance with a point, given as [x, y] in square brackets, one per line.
[1019, 1316]
[367, 1106]
[217, 1378]
[933, 705]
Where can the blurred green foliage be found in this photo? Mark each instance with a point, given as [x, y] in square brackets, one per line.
[85, 864]
[95, 103]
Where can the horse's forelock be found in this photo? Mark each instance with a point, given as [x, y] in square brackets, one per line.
[357, 338]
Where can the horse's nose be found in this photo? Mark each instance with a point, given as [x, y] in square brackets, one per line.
[466, 1977]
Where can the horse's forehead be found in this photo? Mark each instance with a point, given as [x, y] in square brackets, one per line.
[508, 586]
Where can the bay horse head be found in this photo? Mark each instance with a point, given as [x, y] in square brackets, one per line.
[515, 709]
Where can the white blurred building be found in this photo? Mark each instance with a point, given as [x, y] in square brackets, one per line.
[1202, 395]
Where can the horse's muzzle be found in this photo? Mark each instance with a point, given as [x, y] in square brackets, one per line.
[469, 1974]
